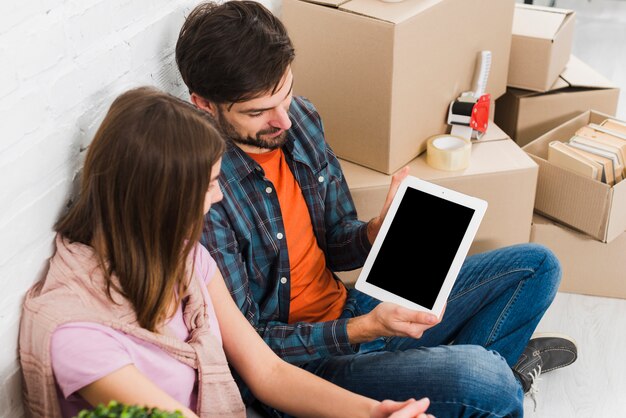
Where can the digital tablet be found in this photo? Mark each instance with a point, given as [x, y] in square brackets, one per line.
[421, 246]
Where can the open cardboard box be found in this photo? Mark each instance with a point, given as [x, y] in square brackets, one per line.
[589, 266]
[526, 115]
[383, 75]
[584, 204]
[499, 172]
[540, 46]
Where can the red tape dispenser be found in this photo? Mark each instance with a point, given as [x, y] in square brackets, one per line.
[469, 114]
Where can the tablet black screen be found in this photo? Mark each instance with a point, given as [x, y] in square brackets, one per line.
[419, 247]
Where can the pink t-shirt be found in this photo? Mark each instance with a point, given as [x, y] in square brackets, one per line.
[83, 352]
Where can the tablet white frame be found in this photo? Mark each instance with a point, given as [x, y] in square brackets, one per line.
[478, 205]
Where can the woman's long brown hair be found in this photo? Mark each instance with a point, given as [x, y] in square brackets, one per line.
[142, 194]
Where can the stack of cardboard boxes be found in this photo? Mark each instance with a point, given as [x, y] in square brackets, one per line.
[550, 95]
[547, 85]
[383, 77]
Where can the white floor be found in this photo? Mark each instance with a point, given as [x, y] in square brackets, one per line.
[595, 385]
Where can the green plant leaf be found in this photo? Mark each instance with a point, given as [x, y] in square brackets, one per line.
[117, 410]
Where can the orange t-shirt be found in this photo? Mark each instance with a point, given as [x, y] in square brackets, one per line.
[315, 294]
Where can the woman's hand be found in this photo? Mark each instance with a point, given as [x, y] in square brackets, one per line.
[406, 409]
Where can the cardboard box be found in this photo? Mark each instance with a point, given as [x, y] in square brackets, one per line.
[589, 266]
[526, 115]
[582, 203]
[383, 75]
[540, 46]
[499, 172]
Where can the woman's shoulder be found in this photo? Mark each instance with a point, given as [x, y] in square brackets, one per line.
[204, 263]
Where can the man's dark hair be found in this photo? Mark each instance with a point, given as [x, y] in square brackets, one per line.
[233, 52]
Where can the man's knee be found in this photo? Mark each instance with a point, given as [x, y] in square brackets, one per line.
[547, 266]
[549, 259]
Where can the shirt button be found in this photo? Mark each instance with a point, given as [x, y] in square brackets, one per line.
[268, 190]
[283, 280]
[279, 235]
[257, 168]
[320, 179]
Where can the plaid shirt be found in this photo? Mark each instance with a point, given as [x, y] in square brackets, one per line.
[245, 234]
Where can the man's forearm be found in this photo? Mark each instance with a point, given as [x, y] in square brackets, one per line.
[359, 330]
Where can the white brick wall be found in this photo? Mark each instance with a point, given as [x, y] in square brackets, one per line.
[62, 62]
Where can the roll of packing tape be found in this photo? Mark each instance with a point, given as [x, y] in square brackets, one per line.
[448, 152]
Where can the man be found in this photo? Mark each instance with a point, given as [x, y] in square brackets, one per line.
[287, 223]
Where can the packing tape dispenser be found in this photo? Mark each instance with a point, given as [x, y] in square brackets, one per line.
[468, 117]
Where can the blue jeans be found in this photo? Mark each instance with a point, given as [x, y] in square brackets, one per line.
[463, 364]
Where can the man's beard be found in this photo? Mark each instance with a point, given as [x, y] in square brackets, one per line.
[229, 132]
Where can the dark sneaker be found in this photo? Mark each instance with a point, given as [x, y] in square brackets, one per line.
[544, 353]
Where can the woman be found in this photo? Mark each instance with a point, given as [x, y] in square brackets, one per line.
[124, 313]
